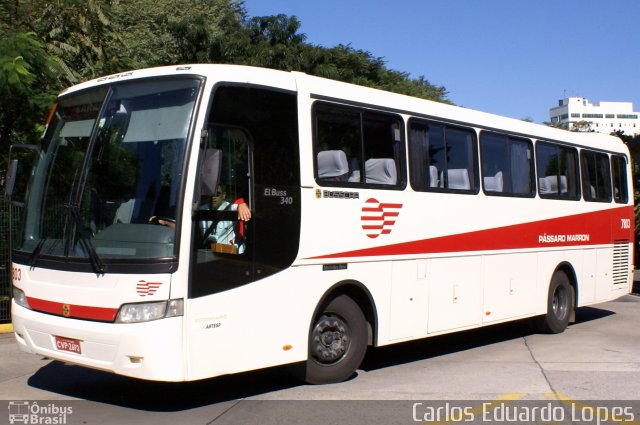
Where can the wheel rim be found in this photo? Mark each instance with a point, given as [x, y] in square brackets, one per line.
[330, 339]
[560, 302]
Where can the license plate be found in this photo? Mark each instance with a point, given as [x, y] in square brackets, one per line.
[68, 344]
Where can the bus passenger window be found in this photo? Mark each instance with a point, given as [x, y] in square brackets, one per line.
[356, 147]
[442, 157]
[619, 171]
[507, 165]
[596, 180]
[557, 171]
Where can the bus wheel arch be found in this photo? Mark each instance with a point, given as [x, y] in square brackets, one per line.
[573, 280]
[342, 326]
[561, 301]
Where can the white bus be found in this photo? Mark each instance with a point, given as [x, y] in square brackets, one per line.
[376, 218]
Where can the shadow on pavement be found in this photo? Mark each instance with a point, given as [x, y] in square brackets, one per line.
[461, 341]
[104, 387]
[587, 314]
[444, 344]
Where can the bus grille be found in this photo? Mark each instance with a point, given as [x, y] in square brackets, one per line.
[621, 262]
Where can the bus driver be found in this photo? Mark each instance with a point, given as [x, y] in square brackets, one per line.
[222, 235]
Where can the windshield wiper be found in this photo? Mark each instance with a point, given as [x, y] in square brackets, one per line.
[73, 212]
[96, 262]
[37, 252]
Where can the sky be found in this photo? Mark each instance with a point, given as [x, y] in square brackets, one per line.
[509, 57]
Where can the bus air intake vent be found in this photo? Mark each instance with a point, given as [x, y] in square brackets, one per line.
[621, 262]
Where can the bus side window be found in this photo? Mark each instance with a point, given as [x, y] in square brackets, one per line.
[596, 178]
[382, 148]
[619, 172]
[355, 147]
[442, 157]
[557, 171]
[507, 165]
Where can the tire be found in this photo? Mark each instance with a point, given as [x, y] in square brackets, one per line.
[560, 305]
[337, 342]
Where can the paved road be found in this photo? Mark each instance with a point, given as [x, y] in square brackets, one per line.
[597, 358]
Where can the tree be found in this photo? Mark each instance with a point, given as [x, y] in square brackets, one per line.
[170, 32]
[81, 35]
[44, 47]
[25, 71]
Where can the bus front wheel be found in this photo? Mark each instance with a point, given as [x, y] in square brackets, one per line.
[560, 305]
[337, 342]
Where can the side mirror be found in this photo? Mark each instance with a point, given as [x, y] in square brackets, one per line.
[23, 160]
[210, 174]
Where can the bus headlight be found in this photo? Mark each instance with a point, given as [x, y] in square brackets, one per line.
[20, 298]
[145, 312]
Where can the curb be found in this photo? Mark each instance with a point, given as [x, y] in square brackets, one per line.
[6, 328]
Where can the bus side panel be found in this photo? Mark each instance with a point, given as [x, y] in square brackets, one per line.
[587, 278]
[455, 293]
[509, 286]
[408, 300]
[250, 327]
[268, 321]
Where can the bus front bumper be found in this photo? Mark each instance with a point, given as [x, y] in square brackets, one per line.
[150, 350]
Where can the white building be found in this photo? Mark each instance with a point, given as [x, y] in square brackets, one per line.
[603, 117]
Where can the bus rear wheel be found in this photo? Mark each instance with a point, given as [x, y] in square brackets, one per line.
[560, 305]
[337, 342]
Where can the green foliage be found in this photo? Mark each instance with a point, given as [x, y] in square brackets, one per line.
[26, 71]
[165, 32]
[81, 35]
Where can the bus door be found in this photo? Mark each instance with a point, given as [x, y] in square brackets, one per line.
[251, 148]
[222, 243]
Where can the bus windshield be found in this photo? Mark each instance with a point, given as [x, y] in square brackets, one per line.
[106, 187]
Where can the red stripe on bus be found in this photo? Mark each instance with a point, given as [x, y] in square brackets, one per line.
[73, 311]
[593, 228]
